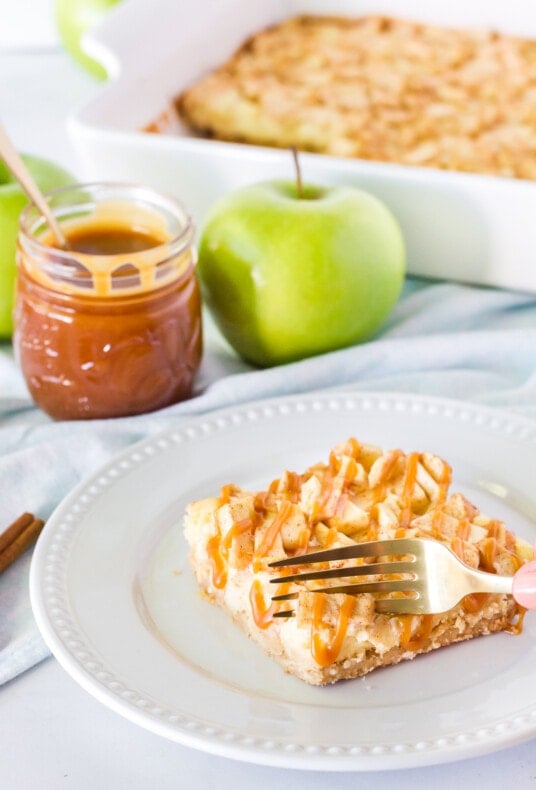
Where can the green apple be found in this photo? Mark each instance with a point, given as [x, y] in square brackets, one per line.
[12, 200]
[289, 274]
[73, 19]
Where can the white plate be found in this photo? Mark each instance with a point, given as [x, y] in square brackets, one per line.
[115, 599]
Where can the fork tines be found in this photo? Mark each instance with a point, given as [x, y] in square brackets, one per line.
[372, 569]
[371, 548]
[399, 547]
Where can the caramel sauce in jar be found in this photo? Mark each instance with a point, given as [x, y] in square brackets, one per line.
[111, 326]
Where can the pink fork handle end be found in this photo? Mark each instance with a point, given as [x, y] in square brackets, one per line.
[524, 585]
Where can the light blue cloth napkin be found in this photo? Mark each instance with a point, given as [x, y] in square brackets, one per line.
[442, 339]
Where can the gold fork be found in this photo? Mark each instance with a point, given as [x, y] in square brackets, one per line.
[429, 577]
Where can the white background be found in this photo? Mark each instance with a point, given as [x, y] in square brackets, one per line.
[26, 25]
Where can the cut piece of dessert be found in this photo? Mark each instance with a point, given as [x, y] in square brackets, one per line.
[360, 494]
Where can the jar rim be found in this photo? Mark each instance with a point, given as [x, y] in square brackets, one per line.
[83, 272]
[185, 235]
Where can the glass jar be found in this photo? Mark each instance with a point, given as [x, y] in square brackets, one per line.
[110, 326]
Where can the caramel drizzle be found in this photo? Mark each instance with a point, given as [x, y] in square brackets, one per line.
[351, 448]
[294, 486]
[326, 652]
[303, 541]
[101, 268]
[443, 484]
[262, 500]
[415, 640]
[274, 529]
[516, 626]
[333, 497]
[457, 547]
[498, 535]
[379, 490]
[326, 492]
[410, 639]
[404, 520]
[488, 550]
[407, 491]
[350, 471]
[218, 548]
[218, 562]
[263, 615]
[225, 494]
[474, 602]
[373, 526]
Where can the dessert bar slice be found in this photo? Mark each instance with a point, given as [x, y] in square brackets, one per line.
[359, 494]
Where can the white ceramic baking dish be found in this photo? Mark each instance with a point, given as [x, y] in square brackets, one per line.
[473, 228]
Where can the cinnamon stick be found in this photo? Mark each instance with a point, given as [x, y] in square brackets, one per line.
[13, 531]
[18, 537]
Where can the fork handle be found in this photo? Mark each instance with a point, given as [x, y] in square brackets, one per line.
[524, 585]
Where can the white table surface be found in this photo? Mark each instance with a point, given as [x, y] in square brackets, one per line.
[53, 734]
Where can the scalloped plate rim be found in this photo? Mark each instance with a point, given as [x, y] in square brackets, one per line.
[344, 758]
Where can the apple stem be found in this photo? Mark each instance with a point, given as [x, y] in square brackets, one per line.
[299, 183]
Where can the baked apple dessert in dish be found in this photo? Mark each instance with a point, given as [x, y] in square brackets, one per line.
[377, 88]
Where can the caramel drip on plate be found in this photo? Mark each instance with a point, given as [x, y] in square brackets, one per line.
[516, 626]
[326, 652]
